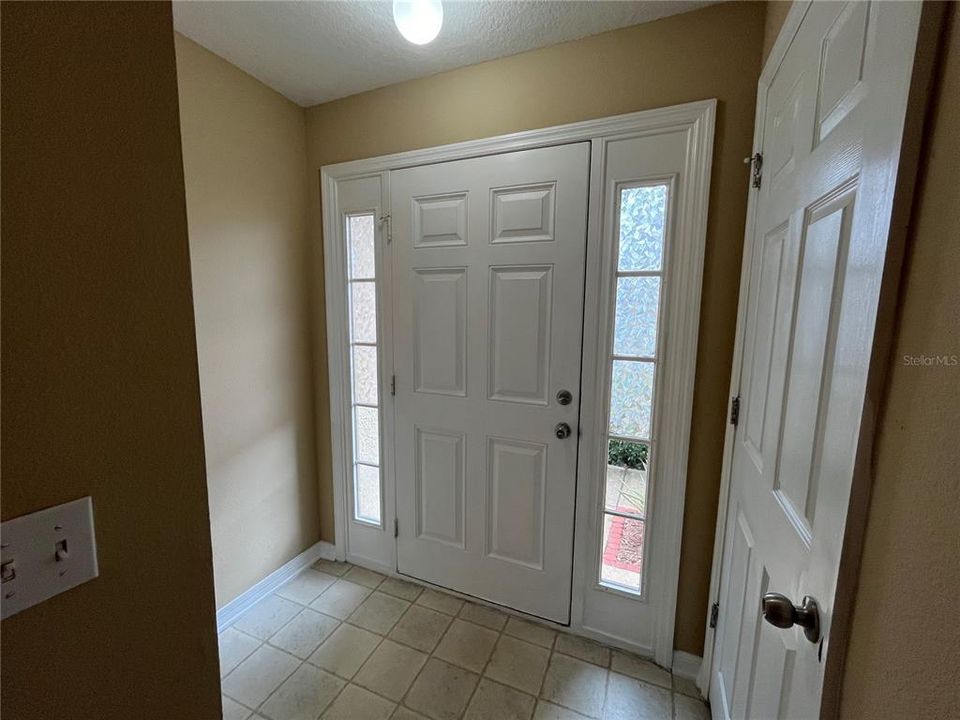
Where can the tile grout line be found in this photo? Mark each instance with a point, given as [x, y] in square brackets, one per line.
[349, 682]
[432, 654]
[279, 684]
[301, 662]
[606, 689]
[503, 634]
[453, 618]
[240, 662]
[538, 697]
[383, 638]
[486, 664]
[403, 698]
[279, 649]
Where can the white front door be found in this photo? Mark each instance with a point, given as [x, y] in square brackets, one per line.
[488, 307]
[830, 121]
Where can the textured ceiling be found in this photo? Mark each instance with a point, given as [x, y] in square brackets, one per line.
[318, 51]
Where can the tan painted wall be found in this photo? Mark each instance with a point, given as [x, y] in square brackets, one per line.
[670, 61]
[100, 388]
[244, 151]
[902, 657]
[777, 11]
[904, 649]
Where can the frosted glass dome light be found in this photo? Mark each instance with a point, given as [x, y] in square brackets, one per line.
[419, 21]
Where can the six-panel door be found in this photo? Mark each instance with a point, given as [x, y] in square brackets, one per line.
[488, 260]
[833, 115]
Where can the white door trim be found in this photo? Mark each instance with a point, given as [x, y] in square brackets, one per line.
[696, 119]
[790, 26]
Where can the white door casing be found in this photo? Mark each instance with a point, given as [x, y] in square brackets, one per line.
[830, 117]
[672, 157]
[488, 304]
[645, 627]
[368, 543]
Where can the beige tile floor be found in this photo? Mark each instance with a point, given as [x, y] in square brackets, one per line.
[342, 643]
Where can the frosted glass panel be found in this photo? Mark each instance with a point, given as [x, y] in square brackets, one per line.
[362, 291]
[360, 241]
[622, 557]
[643, 213]
[363, 309]
[368, 493]
[638, 301]
[367, 436]
[365, 374]
[626, 480]
[631, 395]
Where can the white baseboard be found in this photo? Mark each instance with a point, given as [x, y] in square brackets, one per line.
[243, 602]
[686, 665]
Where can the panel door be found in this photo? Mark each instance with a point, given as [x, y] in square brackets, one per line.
[833, 116]
[488, 305]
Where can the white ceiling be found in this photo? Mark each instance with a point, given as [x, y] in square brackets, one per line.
[313, 52]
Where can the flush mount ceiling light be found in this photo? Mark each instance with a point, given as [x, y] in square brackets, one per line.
[418, 21]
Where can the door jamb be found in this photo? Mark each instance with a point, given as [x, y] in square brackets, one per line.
[790, 26]
[696, 118]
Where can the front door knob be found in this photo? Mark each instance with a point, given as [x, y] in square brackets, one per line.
[562, 430]
[780, 612]
[564, 397]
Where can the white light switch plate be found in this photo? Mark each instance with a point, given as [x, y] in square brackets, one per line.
[31, 570]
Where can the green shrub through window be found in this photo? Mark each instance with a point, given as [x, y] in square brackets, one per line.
[627, 455]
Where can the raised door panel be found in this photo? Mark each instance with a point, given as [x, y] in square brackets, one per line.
[776, 656]
[840, 87]
[811, 359]
[764, 312]
[738, 608]
[783, 123]
[440, 470]
[440, 221]
[516, 477]
[520, 319]
[523, 214]
[440, 330]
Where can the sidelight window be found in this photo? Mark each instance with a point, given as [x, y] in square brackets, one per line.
[641, 215]
[364, 378]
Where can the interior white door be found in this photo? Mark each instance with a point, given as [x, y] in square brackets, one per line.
[488, 303]
[831, 123]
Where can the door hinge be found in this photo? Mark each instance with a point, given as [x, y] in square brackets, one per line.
[714, 614]
[735, 411]
[396, 527]
[393, 384]
[755, 161]
[388, 226]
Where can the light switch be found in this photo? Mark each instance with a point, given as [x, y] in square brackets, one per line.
[46, 553]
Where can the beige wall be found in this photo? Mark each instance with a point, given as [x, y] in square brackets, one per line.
[100, 390]
[777, 11]
[670, 61]
[902, 657]
[904, 649]
[244, 151]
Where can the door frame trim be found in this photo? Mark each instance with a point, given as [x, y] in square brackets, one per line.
[695, 118]
[900, 196]
[779, 50]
